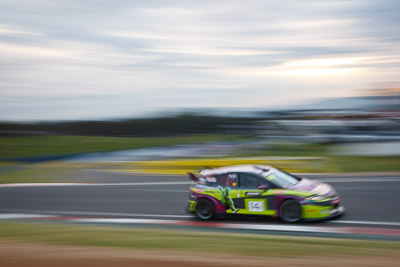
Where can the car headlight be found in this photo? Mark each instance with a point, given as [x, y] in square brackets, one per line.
[315, 198]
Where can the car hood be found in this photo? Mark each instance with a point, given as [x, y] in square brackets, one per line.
[314, 187]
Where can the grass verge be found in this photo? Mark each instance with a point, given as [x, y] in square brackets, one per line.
[202, 242]
[364, 164]
[40, 146]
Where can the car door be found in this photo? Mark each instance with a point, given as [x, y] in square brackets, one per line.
[253, 200]
[231, 180]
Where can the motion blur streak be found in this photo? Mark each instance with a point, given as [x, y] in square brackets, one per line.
[105, 106]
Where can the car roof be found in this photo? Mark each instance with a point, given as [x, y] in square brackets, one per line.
[256, 169]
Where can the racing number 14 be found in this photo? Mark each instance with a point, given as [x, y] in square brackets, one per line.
[256, 206]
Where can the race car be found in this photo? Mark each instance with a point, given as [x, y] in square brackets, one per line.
[261, 190]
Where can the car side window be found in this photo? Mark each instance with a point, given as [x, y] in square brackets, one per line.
[251, 181]
[232, 180]
[223, 180]
[211, 181]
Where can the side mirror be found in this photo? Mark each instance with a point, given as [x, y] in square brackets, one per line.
[263, 187]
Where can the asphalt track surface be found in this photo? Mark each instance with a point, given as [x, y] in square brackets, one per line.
[372, 201]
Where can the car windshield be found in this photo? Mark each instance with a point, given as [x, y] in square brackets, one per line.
[282, 179]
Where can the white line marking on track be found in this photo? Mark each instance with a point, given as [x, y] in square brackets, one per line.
[216, 225]
[24, 216]
[92, 184]
[368, 222]
[359, 180]
[159, 190]
[122, 220]
[40, 184]
[45, 213]
[95, 213]
[144, 183]
[268, 227]
[263, 227]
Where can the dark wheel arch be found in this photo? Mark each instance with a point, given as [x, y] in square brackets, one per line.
[205, 210]
[290, 211]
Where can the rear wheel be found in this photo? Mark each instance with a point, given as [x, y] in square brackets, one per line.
[205, 209]
[290, 211]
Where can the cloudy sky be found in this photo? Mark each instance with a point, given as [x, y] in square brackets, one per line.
[91, 59]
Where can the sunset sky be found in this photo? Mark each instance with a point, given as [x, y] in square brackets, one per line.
[94, 59]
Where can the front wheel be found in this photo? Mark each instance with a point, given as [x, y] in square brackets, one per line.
[290, 211]
[205, 209]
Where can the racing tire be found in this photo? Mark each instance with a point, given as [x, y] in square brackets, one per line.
[205, 210]
[290, 211]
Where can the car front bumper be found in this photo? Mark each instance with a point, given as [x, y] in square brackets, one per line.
[322, 213]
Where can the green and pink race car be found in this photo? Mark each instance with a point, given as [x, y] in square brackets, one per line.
[261, 190]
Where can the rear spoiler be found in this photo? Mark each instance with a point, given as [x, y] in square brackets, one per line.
[193, 177]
